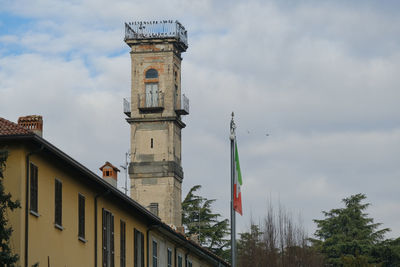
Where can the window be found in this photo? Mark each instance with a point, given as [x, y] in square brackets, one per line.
[58, 203]
[151, 74]
[155, 260]
[154, 208]
[123, 244]
[151, 143]
[190, 263]
[34, 188]
[81, 216]
[152, 95]
[108, 239]
[139, 249]
[169, 258]
[179, 260]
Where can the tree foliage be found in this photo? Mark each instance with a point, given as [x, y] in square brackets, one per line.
[277, 242]
[348, 237]
[6, 256]
[199, 219]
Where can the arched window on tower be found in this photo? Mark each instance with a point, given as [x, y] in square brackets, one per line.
[152, 93]
[151, 74]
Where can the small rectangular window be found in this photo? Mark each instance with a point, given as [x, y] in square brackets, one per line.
[58, 203]
[179, 260]
[151, 143]
[81, 216]
[190, 264]
[154, 208]
[123, 244]
[138, 256]
[33, 188]
[169, 258]
[155, 259]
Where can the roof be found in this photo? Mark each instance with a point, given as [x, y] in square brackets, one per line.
[10, 131]
[10, 128]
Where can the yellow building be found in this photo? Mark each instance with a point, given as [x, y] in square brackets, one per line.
[69, 216]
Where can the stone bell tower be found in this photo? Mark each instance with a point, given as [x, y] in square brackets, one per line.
[154, 114]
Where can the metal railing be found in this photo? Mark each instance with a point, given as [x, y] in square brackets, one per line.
[182, 107]
[185, 103]
[127, 107]
[155, 102]
[155, 30]
[151, 101]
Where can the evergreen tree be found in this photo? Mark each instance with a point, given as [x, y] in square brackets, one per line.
[348, 237]
[388, 252]
[252, 251]
[7, 258]
[199, 219]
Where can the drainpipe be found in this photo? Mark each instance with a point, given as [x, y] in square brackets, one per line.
[95, 223]
[27, 203]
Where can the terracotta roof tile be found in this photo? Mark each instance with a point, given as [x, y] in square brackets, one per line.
[10, 128]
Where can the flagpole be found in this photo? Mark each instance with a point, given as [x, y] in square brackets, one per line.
[233, 219]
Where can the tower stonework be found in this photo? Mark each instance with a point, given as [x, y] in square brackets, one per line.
[154, 114]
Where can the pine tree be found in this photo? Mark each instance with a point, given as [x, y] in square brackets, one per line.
[7, 258]
[199, 219]
[347, 236]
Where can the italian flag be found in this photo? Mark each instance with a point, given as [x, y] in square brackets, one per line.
[237, 195]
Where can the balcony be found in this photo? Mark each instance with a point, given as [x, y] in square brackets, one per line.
[127, 107]
[182, 107]
[151, 102]
[160, 29]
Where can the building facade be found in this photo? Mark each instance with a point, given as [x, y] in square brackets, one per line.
[69, 216]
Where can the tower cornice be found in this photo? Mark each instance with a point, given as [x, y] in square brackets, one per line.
[176, 120]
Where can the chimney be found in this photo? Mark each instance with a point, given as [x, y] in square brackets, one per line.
[195, 238]
[33, 123]
[180, 229]
[110, 173]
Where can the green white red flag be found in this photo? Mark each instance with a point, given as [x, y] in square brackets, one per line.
[237, 195]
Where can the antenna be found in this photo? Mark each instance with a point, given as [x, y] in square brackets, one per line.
[127, 154]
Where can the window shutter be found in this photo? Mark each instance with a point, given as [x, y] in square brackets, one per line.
[104, 239]
[81, 216]
[135, 248]
[123, 244]
[112, 240]
[32, 185]
[34, 188]
[58, 202]
[142, 249]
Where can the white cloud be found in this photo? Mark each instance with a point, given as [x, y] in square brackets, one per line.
[320, 78]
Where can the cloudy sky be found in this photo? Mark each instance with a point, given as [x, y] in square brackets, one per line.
[319, 77]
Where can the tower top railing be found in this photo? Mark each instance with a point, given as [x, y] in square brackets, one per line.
[157, 29]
